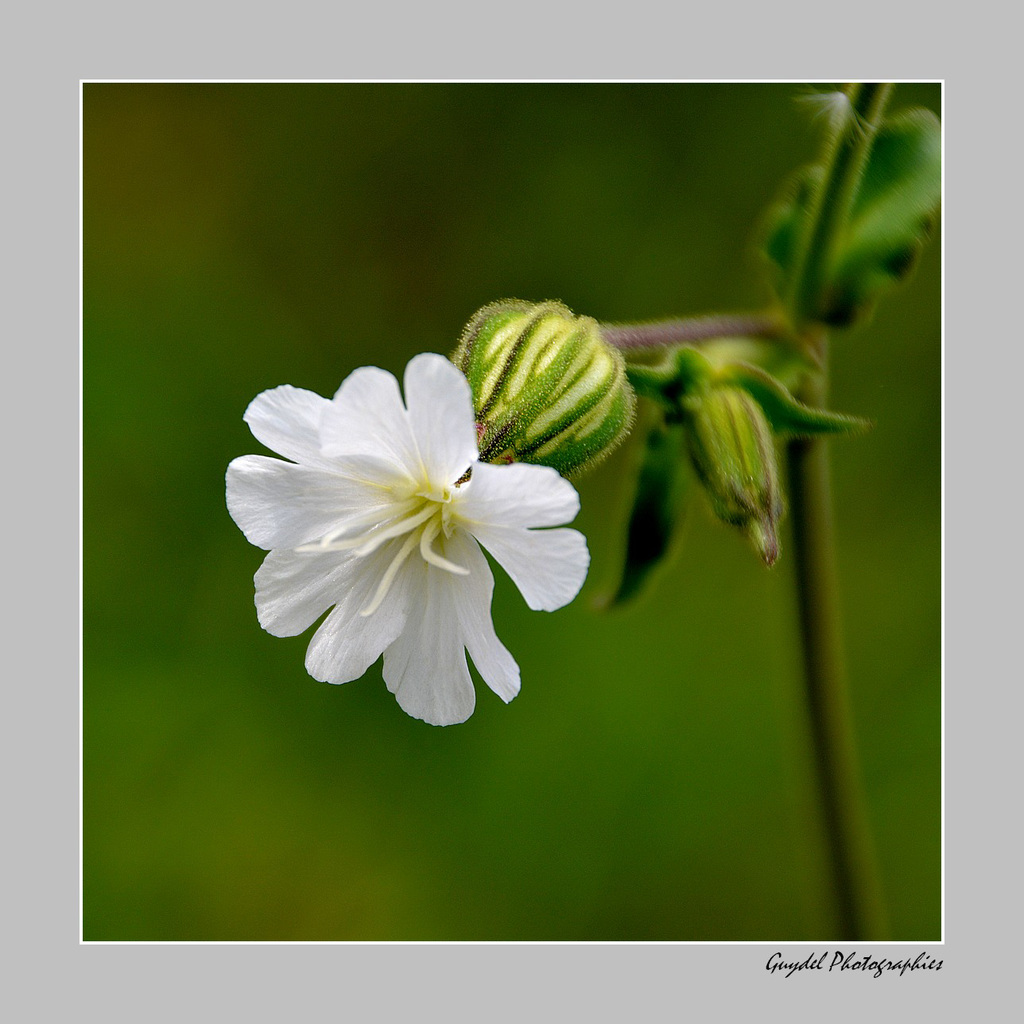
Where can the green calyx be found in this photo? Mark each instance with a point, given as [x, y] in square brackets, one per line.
[733, 451]
[731, 414]
[546, 387]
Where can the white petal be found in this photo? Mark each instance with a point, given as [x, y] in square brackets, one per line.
[294, 588]
[425, 668]
[347, 643]
[287, 421]
[367, 416]
[517, 495]
[548, 566]
[472, 596]
[277, 504]
[441, 413]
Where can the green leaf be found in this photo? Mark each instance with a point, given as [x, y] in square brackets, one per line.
[891, 218]
[787, 416]
[784, 220]
[657, 509]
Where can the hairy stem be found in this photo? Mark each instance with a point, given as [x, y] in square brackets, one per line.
[662, 333]
[846, 154]
[855, 874]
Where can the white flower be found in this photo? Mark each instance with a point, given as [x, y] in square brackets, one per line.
[380, 514]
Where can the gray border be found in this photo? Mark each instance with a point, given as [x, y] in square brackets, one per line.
[464, 982]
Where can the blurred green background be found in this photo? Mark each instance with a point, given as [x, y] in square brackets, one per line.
[652, 781]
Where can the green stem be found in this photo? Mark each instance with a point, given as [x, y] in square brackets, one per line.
[845, 157]
[854, 870]
[663, 333]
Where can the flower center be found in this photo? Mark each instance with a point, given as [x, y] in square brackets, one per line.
[421, 518]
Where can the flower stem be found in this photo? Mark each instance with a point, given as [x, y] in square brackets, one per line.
[855, 875]
[662, 333]
[860, 906]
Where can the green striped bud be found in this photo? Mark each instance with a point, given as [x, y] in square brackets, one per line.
[733, 450]
[546, 386]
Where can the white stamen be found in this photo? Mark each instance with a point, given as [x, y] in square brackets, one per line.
[368, 541]
[371, 518]
[430, 531]
[396, 529]
[389, 575]
[430, 507]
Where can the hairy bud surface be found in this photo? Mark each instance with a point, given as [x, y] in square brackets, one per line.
[547, 388]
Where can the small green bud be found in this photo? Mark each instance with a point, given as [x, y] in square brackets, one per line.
[733, 451]
[547, 388]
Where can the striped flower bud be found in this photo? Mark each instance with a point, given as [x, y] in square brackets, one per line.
[546, 387]
[733, 450]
